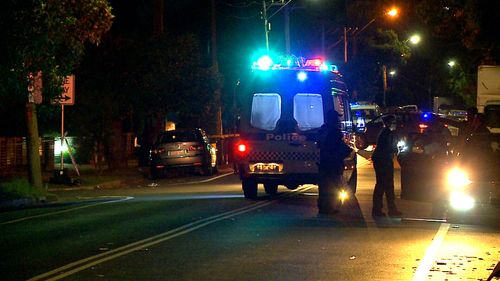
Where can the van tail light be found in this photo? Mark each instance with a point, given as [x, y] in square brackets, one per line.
[422, 127]
[241, 149]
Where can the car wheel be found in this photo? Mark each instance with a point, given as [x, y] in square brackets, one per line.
[353, 181]
[207, 169]
[271, 188]
[249, 189]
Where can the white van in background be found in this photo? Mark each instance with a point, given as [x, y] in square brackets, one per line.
[363, 112]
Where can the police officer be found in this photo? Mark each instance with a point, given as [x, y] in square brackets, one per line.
[333, 150]
[384, 169]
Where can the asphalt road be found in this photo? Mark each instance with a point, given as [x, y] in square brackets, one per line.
[208, 231]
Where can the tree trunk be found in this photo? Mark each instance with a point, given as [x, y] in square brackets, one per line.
[115, 148]
[35, 171]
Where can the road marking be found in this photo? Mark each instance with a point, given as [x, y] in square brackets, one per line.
[424, 219]
[426, 263]
[203, 181]
[83, 264]
[122, 198]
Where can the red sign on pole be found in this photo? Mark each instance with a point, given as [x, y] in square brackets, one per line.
[68, 95]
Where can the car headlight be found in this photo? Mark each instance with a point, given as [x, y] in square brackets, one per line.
[461, 201]
[343, 195]
[458, 179]
[402, 146]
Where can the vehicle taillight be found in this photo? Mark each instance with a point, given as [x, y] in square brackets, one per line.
[195, 147]
[242, 149]
[423, 126]
[159, 150]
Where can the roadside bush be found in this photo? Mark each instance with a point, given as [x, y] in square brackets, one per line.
[18, 188]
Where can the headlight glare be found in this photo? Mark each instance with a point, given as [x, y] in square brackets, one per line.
[461, 201]
[343, 195]
[402, 147]
[458, 179]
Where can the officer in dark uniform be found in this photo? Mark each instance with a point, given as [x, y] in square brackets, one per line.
[333, 150]
[384, 168]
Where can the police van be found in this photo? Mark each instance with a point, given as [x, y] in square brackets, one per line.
[283, 106]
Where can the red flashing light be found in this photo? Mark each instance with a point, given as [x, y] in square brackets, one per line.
[314, 62]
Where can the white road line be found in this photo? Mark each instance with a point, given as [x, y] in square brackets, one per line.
[123, 198]
[83, 264]
[430, 255]
[203, 181]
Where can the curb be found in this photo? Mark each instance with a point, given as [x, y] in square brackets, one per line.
[115, 184]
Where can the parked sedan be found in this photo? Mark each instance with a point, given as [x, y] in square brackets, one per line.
[183, 148]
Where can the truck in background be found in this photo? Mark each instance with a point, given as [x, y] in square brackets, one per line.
[488, 95]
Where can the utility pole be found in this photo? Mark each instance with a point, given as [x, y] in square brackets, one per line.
[266, 23]
[384, 81]
[215, 66]
[158, 26]
[287, 29]
[345, 44]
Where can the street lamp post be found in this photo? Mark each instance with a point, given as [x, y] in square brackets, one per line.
[384, 80]
[392, 13]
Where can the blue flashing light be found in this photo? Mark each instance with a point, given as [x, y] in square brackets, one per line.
[426, 115]
[302, 76]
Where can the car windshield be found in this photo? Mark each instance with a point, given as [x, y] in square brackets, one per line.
[178, 136]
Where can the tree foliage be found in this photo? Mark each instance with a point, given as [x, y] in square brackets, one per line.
[130, 80]
[47, 36]
[466, 31]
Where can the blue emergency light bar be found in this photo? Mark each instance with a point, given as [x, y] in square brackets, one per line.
[265, 63]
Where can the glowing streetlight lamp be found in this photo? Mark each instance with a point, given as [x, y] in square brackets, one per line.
[392, 72]
[415, 39]
[452, 63]
[393, 12]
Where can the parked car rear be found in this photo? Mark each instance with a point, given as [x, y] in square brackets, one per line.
[182, 148]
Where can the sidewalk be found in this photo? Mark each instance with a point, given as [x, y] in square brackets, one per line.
[93, 179]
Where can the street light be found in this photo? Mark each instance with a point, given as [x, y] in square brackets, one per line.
[452, 63]
[415, 39]
[391, 13]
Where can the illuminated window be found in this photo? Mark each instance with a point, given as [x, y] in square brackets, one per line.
[308, 111]
[266, 110]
